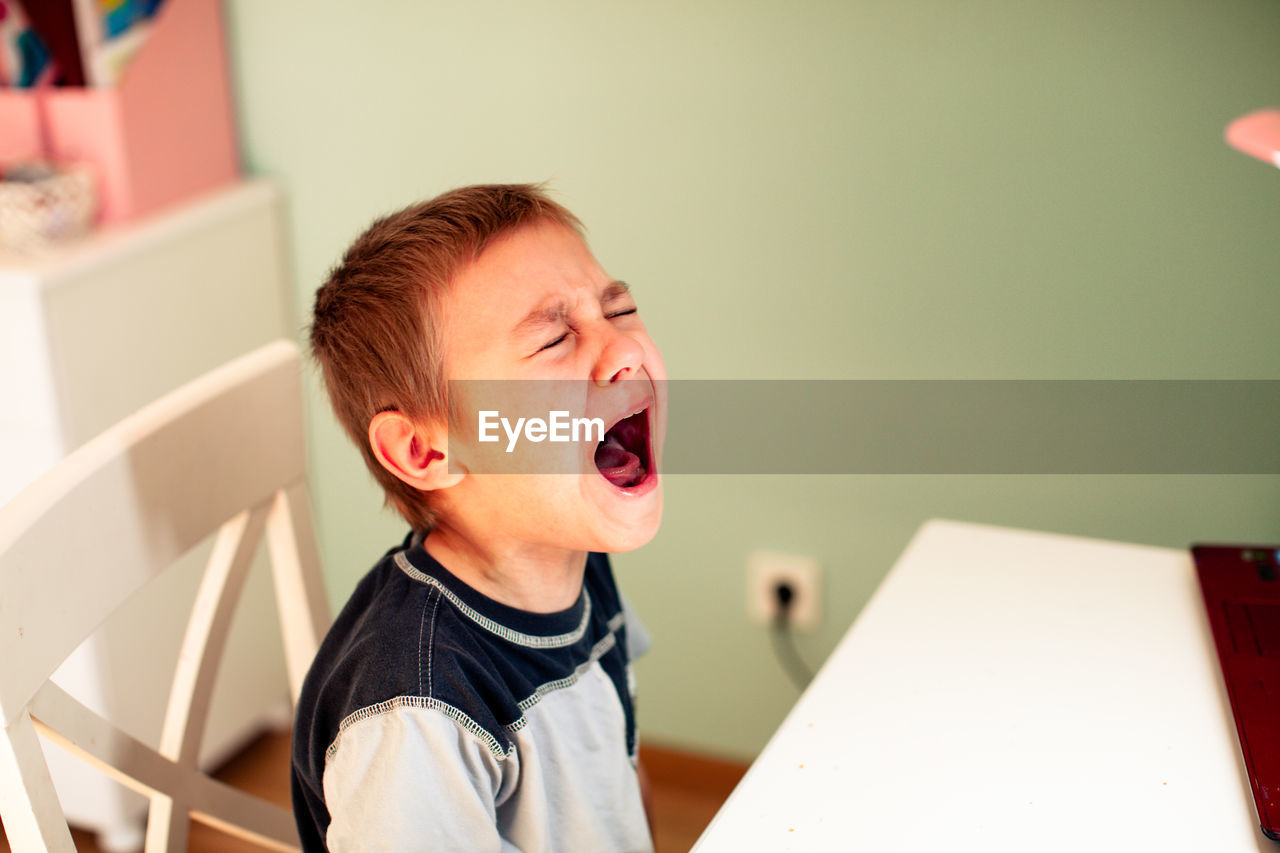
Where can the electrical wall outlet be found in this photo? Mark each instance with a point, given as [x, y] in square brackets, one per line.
[765, 570]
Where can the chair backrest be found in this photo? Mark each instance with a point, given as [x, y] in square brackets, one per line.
[222, 455]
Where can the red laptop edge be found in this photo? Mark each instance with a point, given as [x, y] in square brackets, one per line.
[1241, 588]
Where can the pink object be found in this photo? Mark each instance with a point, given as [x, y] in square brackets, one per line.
[166, 132]
[1258, 135]
[19, 127]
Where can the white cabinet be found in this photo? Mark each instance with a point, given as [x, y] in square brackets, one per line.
[90, 332]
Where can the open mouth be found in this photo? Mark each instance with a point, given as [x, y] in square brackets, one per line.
[623, 457]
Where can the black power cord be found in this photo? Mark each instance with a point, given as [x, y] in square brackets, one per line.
[784, 641]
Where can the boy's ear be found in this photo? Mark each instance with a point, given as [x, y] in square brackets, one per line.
[416, 453]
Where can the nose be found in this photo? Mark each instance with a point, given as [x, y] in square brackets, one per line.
[620, 358]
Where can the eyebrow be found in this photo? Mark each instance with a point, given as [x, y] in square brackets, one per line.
[615, 290]
[558, 312]
[538, 318]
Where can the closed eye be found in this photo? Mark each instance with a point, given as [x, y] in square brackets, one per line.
[554, 343]
[622, 313]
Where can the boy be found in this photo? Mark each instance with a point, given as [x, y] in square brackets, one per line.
[475, 692]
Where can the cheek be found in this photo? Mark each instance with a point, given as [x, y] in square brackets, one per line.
[544, 463]
[658, 375]
[653, 360]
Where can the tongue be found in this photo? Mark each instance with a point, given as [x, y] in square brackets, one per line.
[618, 465]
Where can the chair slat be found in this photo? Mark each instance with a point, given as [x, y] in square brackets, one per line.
[168, 825]
[108, 519]
[60, 718]
[32, 817]
[207, 630]
[300, 596]
[120, 488]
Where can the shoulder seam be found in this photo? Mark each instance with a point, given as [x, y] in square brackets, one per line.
[420, 702]
[599, 650]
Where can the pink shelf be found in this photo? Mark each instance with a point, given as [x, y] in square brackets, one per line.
[165, 133]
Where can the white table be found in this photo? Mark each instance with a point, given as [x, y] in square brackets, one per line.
[1009, 690]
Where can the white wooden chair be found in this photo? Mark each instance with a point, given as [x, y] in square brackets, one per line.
[223, 454]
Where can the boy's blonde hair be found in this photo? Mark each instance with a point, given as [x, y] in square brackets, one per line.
[374, 331]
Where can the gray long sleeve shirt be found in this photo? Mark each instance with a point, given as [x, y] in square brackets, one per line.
[435, 718]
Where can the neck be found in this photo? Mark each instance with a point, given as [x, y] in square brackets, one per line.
[528, 577]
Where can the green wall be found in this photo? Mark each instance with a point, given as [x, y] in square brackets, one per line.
[873, 189]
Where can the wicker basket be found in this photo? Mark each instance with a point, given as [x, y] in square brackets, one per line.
[37, 213]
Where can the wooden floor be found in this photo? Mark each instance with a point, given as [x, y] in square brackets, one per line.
[687, 790]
